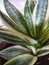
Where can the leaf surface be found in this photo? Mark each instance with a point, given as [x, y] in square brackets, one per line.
[25, 59]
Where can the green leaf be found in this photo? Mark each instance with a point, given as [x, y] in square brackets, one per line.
[46, 28]
[13, 14]
[25, 59]
[13, 51]
[44, 36]
[17, 38]
[32, 5]
[10, 37]
[33, 49]
[8, 22]
[11, 27]
[29, 21]
[43, 51]
[41, 11]
[16, 16]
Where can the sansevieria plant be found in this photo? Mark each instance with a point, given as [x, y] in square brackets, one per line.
[29, 32]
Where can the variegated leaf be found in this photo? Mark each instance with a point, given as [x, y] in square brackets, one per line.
[8, 22]
[32, 5]
[16, 16]
[25, 59]
[10, 37]
[43, 51]
[29, 21]
[17, 38]
[41, 11]
[13, 28]
[13, 51]
[44, 35]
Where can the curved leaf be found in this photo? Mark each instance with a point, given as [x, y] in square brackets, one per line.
[13, 14]
[12, 30]
[16, 16]
[33, 49]
[41, 14]
[11, 26]
[8, 22]
[17, 38]
[13, 51]
[25, 59]
[9, 37]
[43, 51]
[28, 17]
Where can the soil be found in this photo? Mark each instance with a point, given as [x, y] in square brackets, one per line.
[44, 60]
[4, 45]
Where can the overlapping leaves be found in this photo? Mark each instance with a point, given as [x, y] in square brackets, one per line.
[12, 21]
[23, 30]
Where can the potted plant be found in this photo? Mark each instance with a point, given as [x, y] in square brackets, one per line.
[29, 33]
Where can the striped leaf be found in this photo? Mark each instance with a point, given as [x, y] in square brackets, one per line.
[43, 51]
[28, 17]
[11, 38]
[13, 28]
[46, 18]
[41, 11]
[46, 29]
[11, 13]
[13, 51]
[32, 5]
[25, 59]
[8, 22]
[16, 16]
[33, 49]
[46, 38]
[45, 34]
[17, 38]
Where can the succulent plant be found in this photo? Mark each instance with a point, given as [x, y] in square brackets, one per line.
[29, 32]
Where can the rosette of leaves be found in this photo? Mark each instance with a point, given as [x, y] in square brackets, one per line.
[29, 32]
